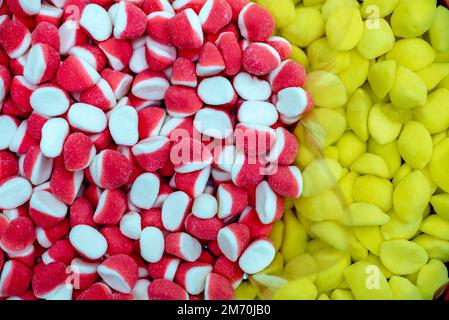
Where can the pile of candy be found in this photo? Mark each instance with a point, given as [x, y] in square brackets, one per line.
[373, 220]
[145, 153]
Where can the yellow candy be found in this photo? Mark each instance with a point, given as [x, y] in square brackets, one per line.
[326, 206]
[283, 11]
[412, 18]
[435, 248]
[305, 155]
[332, 233]
[374, 190]
[408, 90]
[295, 237]
[277, 234]
[382, 128]
[315, 246]
[442, 57]
[326, 89]
[377, 39]
[331, 5]
[355, 75]
[415, 145]
[370, 237]
[276, 267]
[403, 289]
[325, 125]
[357, 112]
[402, 172]
[367, 282]
[436, 226]
[323, 58]
[397, 114]
[397, 228]
[350, 147]
[434, 115]
[346, 184]
[440, 203]
[339, 294]
[246, 291]
[362, 214]
[303, 266]
[372, 259]
[320, 176]
[300, 56]
[389, 152]
[402, 256]
[344, 28]
[433, 74]
[323, 296]
[439, 165]
[371, 164]
[431, 278]
[381, 77]
[331, 264]
[411, 196]
[438, 31]
[413, 54]
[378, 8]
[374, 99]
[300, 289]
[437, 138]
[306, 27]
[433, 187]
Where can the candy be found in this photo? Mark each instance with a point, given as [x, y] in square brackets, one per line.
[183, 246]
[381, 77]
[402, 257]
[76, 75]
[441, 21]
[88, 241]
[416, 132]
[217, 287]
[15, 278]
[162, 289]
[42, 64]
[255, 23]
[357, 277]
[260, 59]
[344, 28]
[407, 24]
[323, 85]
[257, 256]
[431, 277]
[423, 53]
[185, 30]
[15, 38]
[376, 41]
[49, 100]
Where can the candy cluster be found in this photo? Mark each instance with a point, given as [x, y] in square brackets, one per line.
[145, 153]
[373, 220]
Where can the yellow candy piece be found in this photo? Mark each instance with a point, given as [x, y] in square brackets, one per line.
[326, 206]
[437, 138]
[381, 77]
[323, 296]
[315, 246]
[300, 56]
[377, 39]
[325, 125]
[295, 237]
[412, 18]
[370, 164]
[372, 259]
[433, 187]
[382, 128]
[415, 145]
[277, 234]
[403, 289]
[332, 233]
[340, 294]
[326, 89]
[433, 74]
[402, 172]
[436, 226]
[361, 214]
[350, 147]
[370, 237]
[331, 5]
[331, 263]
[439, 165]
[355, 75]
[438, 31]
[306, 27]
[374, 190]
[320, 176]
[367, 282]
[302, 266]
[408, 90]
[434, 115]
[299, 289]
[357, 113]
[397, 229]
[323, 58]
[276, 267]
[440, 203]
[283, 11]
[397, 114]
[389, 152]
[431, 278]
[411, 196]
[402, 256]
[378, 8]
[435, 248]
[413, 54]
[345, 185]
[344, 28]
